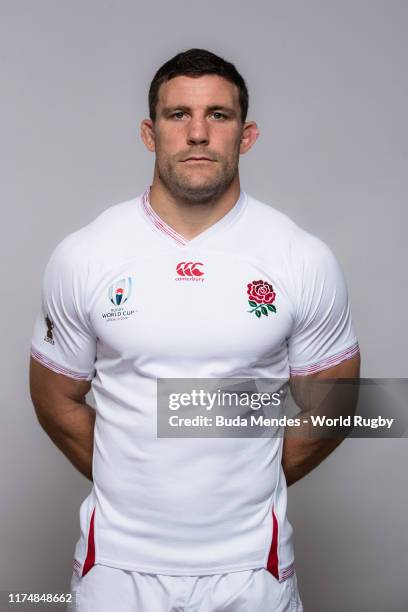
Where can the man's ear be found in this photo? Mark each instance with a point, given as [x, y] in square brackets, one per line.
[250, 133]
[147, 134]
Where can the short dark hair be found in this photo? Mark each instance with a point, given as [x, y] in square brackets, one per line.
[196, 63]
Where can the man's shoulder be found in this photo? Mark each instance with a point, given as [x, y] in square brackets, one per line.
[261, 210]
[121, 216]
[269, 222]
[103, 238]
[109, 227]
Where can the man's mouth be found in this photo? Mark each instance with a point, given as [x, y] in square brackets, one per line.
[199, 159]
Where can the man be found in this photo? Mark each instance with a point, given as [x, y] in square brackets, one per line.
[192, 279]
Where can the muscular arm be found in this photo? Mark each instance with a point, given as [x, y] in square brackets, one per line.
[302, 454]
[61, 409]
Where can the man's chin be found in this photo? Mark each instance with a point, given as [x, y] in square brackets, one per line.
[197, 190]
[196, 186]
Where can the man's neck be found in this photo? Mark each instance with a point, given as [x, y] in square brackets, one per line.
[191, 219]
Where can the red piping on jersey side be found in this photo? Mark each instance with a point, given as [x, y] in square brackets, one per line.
[273, 560]
[90, 554]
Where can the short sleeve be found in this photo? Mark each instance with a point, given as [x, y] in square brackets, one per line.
[63, 339]
[323, 334]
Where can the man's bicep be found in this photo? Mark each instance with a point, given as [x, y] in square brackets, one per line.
[51, 391]
[303, 391]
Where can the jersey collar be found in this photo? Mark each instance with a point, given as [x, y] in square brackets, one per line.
[166, 230]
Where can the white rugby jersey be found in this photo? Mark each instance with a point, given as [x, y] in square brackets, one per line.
[127, 300]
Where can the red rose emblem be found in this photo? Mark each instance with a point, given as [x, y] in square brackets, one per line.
[261, 297]
[261, 292]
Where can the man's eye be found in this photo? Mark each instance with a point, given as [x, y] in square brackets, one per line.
[177, 114]
[216, 114]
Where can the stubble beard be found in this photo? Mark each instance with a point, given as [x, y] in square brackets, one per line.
[211, 188]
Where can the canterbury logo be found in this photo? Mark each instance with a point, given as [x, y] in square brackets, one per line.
[189, 268]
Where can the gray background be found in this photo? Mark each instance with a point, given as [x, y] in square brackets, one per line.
[328, 88]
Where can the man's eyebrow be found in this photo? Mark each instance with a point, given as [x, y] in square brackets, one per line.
[167, 110]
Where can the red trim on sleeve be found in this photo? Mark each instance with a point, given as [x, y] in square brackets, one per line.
[55, 367]
[324, 364]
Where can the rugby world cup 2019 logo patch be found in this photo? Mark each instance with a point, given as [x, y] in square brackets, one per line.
[119, 293]
[261, 297]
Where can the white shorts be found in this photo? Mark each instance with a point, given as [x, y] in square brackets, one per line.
[104, 589]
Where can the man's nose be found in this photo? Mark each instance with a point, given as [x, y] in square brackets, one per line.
[197, 132]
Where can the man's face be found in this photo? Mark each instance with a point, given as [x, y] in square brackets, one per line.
[197, 117]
